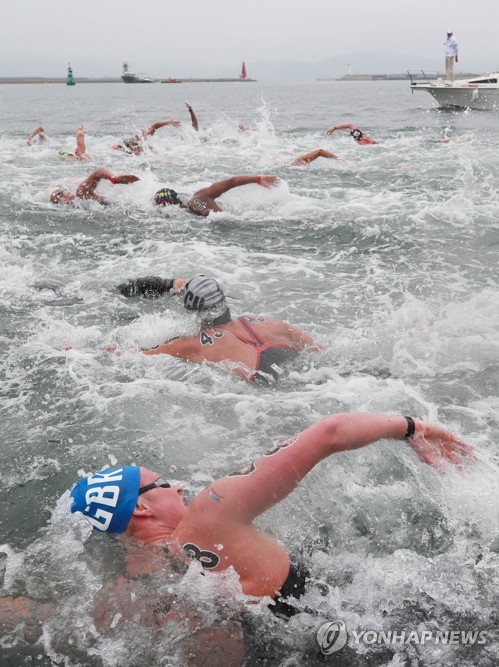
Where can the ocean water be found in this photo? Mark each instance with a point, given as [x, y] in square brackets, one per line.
[389, 258]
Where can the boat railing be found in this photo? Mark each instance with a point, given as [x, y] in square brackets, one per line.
[420, 75]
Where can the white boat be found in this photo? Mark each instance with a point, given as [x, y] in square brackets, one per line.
[481, 93]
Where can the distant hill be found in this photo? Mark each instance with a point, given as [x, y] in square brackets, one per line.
[360, 63]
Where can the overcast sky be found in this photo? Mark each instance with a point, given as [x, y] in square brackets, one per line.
[190, 37]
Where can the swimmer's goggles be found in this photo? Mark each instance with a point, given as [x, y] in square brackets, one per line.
[159, 483]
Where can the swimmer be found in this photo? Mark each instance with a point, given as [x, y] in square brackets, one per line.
[136, 144]
[254, 347]
[355, 133]
[305, 160]
[86, 189]
[80, 150]
[40, 133]
[217, 529]
[203, 202]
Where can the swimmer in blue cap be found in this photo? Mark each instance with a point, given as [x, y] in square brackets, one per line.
[86, 189]
[203, 201]
[217, 528]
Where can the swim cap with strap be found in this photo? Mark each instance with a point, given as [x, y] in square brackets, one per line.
[166, 196]
[108, 498]
[202, 293]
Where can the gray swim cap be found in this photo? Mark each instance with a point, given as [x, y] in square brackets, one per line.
[202, 293]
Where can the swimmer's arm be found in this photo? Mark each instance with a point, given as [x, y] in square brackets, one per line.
[345, 126]
[151, 286]
[216, 189]
[175, 347]
[276, 475]
[194, 120]
[124, 602]
[183, 348]
[80, 149]
[22, 610]
[40, 131]
[86, 190]
[152, 130]
[313, 155]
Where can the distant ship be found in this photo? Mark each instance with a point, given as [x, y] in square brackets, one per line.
[131, 77]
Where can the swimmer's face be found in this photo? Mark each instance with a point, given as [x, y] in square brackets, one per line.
[61, 196]
[164, 504]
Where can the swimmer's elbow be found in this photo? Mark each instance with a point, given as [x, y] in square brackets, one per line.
[331, 436]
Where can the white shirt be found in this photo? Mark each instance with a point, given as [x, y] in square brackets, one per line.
[451, 46]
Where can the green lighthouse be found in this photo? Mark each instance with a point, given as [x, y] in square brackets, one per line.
[70, 81]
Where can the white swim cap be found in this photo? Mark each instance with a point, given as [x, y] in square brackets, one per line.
[202, 293]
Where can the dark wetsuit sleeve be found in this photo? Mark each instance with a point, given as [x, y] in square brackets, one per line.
[151, 286]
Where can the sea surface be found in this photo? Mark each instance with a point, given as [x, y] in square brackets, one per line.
[388, 258]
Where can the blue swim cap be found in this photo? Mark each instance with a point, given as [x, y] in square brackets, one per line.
[108, 498]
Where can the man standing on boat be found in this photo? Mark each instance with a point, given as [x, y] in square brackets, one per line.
[451, 52]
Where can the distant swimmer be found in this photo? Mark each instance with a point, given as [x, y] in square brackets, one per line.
[358, 136]
[38, 133]
[80, 150]
[203, 202]
[86, 189]
[305, 160]
[255, 347]
[137, 143]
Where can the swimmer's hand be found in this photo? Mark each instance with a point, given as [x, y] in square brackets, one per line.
[331, 129]
[178, 286]
[436, 446]
[268, 181]
[124, 179]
